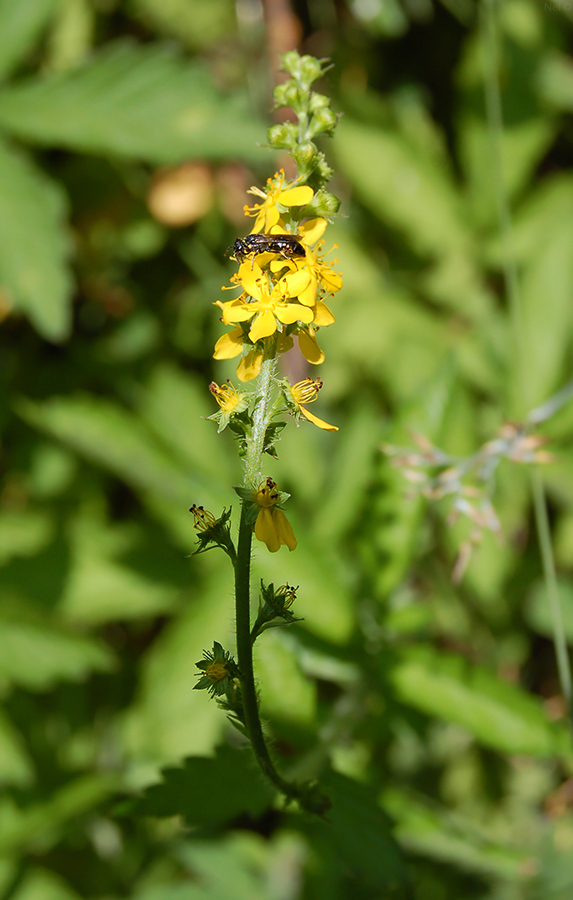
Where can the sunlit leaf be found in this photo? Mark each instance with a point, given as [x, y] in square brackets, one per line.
[142, 102]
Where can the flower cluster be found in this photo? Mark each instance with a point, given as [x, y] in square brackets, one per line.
[282, 290]
[282, 282]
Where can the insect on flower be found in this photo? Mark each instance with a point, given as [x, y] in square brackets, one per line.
[287, 245]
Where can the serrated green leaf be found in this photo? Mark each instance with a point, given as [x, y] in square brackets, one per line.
[139, 102]
[20, 24]
[207, 791]
[33, 245]
[498, 714]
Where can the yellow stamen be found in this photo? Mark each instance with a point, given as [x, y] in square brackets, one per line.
[216, 671]
[203, 519]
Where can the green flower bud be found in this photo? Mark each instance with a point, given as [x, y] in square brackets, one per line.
[322, 204]
[304, 69]
[287, 94]
[283, 136]
[323, 122]
[318, 101]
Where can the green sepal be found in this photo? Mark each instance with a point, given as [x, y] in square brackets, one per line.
[274, 608]
[272, 435]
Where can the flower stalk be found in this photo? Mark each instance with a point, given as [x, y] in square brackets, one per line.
[283, 279]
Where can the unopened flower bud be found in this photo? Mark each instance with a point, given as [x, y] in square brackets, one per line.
[287, 94]
[283, 136]
[323, 204]
[323, 122]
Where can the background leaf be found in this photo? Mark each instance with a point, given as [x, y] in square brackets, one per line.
[33, 245]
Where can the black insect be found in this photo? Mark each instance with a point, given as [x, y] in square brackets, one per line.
[287, 245]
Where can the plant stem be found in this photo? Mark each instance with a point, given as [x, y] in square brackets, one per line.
[253, 475]
[245, 659]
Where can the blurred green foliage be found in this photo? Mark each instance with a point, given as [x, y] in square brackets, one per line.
[129, 133]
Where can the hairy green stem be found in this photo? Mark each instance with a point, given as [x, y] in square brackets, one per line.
[245, 659]
[253, 475]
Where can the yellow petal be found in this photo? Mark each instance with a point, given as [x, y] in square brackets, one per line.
[253, 281]
[250, 365]
[295, 282]
[293, 312]
[265, 530]
[229, 345]
[313, 230]
[263, 326]
[322, 314]
[297, 196]
[310, 349]
[308, 296]
[316, 421]
[236, 311]
[272, 217]
[331, 281]
[283, 529]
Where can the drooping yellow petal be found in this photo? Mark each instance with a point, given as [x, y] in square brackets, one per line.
[263, 326]
[313, 230]
[296, 196]
[322, 314]
[284, 530]
[309, 348]
[316, 421]
[250, 365]
[265, 530]
[229, 345]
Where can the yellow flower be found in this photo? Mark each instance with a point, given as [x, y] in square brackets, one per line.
[320, 272]
[264, 304]
[266, 213]
[272, 526]
[230, 402]
[306, 391]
